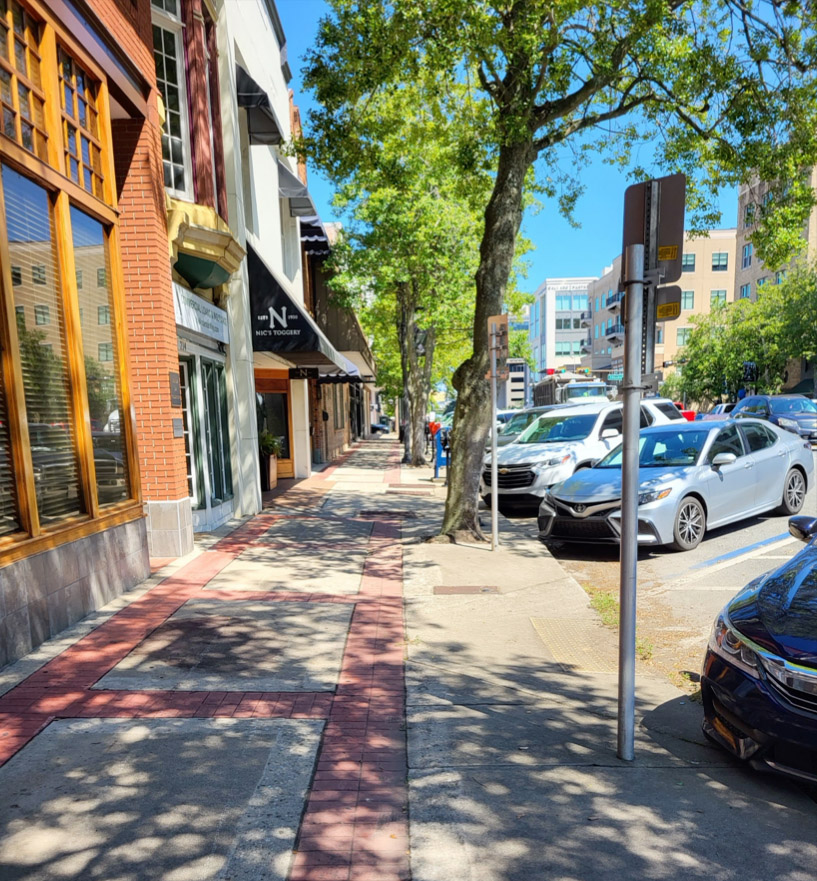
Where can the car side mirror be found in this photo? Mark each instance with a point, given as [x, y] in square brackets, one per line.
[803, 527]
[724, 459]
[609, 433]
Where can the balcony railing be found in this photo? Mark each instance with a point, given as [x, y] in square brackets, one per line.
[614, 301]
[617, 330]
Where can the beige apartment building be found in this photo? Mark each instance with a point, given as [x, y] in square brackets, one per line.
[708, 278]
[751, 274]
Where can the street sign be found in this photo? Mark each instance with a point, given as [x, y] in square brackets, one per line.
[654, 217]
[668, 303]
[498, 343]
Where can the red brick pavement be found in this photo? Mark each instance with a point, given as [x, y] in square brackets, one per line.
[355, 824]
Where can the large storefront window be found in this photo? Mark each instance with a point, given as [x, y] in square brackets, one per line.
[66, 449]
[99, 350]
[41, 335]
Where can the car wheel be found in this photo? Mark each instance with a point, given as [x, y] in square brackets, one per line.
[794, 493]
[690, 525]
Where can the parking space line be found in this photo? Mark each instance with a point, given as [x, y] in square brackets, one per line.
[726, 563]
[742, 551]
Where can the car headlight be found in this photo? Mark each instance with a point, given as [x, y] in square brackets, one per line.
[732, 647]
[550, 463]
[653, 495]
[790, 424]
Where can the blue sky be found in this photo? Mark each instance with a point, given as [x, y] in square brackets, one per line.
[560, 250]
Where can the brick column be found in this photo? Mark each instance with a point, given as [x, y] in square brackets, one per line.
[151, 332]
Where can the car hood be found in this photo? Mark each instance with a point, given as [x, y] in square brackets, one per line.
[605, 483]
[529, 454]
[808, 420]
[778, 611]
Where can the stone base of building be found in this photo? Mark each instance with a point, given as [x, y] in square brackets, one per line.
[43, 594]
[170, 528]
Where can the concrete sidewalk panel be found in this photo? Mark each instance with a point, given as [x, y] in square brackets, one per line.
[609, 823]
[156, 800]
[561, 730]
[213, 645]
[303, 568]
[326, 530]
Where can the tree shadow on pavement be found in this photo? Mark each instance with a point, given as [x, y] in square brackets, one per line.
[514, 776]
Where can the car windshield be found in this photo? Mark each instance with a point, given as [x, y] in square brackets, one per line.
[662, 450]
[558, 429]
[518, 422]
[792, 405]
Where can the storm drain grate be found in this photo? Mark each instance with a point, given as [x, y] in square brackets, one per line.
[446, 589]
[579, 644]
[385, 514]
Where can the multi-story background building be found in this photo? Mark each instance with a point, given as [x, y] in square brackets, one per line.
[555, 331]
[751, 274]
[708, 278]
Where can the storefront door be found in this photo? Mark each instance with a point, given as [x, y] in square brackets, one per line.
[273, 416]
[206, 439]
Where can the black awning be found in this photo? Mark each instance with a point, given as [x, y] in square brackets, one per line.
[291, 187]
[282, 325]
[313, 235]
[262, 122]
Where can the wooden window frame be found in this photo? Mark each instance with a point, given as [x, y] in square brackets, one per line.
[165, 20]
[36, 92]
[63, 193]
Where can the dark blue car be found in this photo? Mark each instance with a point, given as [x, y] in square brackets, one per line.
[759, 681]
[795, 413]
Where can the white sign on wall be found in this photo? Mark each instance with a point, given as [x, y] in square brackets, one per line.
[195, 313]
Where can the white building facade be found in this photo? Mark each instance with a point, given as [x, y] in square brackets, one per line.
[556, 332]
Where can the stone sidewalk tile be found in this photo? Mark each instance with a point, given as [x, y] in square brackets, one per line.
[355, 818]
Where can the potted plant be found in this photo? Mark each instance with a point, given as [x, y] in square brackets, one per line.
[270, 446]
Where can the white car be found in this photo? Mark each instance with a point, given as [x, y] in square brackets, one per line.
[557, 444]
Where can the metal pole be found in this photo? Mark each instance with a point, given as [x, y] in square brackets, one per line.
[494, 446]
[631, 387]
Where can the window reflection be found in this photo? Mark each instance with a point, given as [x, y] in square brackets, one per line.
[98, 346]
[42, 348]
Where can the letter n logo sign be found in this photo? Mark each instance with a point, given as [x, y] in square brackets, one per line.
[279, 317]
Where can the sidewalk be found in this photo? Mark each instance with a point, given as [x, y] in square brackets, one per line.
[317, 695]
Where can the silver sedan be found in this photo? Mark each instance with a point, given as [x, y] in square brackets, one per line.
[692, 477]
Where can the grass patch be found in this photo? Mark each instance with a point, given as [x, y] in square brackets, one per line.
[605, 603]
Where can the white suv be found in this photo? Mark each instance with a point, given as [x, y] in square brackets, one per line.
[560, 442]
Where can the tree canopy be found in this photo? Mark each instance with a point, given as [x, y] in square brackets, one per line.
[726, 88]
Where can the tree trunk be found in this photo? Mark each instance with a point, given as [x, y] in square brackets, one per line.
[420, 384]
[472, 416]
[416, 377]
[405, 336]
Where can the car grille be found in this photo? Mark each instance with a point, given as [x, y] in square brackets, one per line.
[516, 477]
[573, 527]
[566, 508]
[802, 700]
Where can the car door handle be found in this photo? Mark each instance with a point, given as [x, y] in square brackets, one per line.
[749, 465]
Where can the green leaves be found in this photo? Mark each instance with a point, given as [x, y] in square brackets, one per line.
[779, 326]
